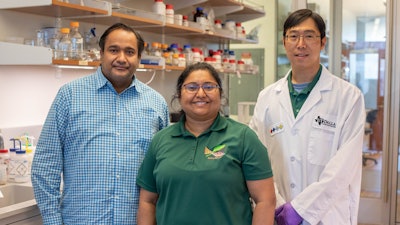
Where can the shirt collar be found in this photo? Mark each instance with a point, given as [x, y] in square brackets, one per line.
[102, 81]
[219, 123]
[310, 85]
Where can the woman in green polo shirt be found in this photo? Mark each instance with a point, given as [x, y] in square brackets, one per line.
[204, 169]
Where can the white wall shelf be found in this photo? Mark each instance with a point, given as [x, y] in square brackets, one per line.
[19, 54]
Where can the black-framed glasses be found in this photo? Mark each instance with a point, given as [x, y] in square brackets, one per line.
[308, 38]
[194, 87]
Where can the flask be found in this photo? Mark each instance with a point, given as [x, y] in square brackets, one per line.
[159, 7]
[169, 13]
[64, 46]
[76, 41]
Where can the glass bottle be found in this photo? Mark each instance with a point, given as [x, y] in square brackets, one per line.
[76, 42]
[64, 46]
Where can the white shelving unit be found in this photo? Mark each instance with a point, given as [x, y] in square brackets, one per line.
[18, 54]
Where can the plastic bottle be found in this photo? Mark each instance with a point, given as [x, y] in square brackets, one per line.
[169, 13]
[155, 49]
[159, 7]
[175, 59]
[185, 21]
[76, 41]
[196, 55]
[64, 46]
[12, 165]
[29, 148]
[182, 60]
[21, 166]
[218, 60]
[188, 54]
[218, 24]
[4, 161]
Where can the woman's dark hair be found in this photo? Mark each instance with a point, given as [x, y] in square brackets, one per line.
[117, 26]
[188, 70]
[299, 16]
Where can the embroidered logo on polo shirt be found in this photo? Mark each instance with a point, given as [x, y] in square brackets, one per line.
[276, 128]
[216, 153]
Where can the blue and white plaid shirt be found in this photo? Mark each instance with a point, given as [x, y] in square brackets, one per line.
[95, 139]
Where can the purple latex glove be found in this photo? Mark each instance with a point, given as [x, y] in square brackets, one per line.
[286, 215]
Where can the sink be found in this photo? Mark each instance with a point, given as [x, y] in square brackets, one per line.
[18, 204]
[14, 194]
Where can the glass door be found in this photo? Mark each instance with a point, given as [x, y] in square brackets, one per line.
[358, 52]
[359, 27]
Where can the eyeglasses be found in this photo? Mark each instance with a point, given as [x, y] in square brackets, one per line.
[307, 38]
[194, 88]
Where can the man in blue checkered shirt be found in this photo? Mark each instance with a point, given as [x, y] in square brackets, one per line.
[95, 137]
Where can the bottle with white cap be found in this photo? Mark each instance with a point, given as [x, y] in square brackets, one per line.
[4, 160]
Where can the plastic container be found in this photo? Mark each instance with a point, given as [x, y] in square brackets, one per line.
[218, 24]
[169, 13]
[188, 54]
[4, 161]
[196, 55]
[4, 157]
[175, 59]
[21, 166]
[182, 60]
[64, 46]
[185, 21]
[178, 19]
[76, 42]
[159, 7]
[11, 165]
[156, 49]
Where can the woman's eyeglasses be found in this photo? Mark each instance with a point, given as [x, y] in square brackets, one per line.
[194, 88]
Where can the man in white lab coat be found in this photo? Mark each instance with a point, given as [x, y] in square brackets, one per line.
[312, 123]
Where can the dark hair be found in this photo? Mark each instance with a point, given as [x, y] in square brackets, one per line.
[299, 16]
[117, 26]
[188, 70]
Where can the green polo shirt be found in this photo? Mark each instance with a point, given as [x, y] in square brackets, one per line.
[202, 180]
[297, 98]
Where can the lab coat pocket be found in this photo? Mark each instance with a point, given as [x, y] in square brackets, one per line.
[320, 146]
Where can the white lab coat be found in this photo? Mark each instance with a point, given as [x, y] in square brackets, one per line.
[316, 157]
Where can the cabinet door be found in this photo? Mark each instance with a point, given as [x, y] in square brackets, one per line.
[246, 87]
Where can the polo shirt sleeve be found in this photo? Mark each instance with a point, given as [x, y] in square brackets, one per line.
[255, 163]
[145, 178]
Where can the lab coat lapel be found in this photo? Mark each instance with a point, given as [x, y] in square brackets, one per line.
[282, 91]
[324, 84]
